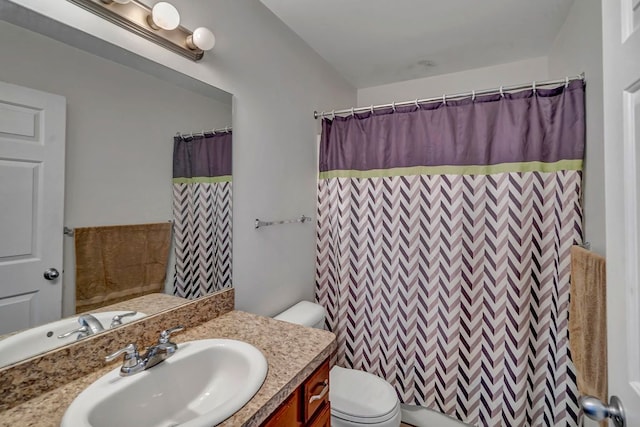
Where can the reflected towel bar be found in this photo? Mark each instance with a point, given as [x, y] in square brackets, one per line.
[585, 245]
[302, 220]
[70, 231]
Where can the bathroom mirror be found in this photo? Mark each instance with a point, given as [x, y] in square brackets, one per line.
[122, 114]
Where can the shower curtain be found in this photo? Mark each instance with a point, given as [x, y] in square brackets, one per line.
[444, 234]
[202, 214]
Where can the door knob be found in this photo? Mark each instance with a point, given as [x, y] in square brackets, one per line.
[51, 274]
[595, 409]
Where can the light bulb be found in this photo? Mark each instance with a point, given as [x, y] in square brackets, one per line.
[202, 39]
[164, 15]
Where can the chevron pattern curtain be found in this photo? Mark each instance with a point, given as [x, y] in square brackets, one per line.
[444, 235]
[202, 214]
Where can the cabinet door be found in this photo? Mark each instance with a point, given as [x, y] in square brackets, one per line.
[287, 413]
[323, 419]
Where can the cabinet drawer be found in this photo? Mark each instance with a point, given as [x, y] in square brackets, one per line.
[286, 414]
[316, 391]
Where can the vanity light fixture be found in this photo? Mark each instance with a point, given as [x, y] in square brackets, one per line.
[164, 15]
[202, 38]
[159, 24]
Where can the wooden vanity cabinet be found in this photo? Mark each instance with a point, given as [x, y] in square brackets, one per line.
[308, 405]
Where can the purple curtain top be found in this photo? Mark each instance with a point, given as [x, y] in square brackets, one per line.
[548, 126]
[202, 156]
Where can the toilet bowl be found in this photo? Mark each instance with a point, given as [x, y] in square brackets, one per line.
[357, 398]
[425, 417]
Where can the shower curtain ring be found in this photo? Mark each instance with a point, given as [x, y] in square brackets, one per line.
[444, 99]
[566, 82]
[371, 108]
[533, 86]
[502, 91]
[417, 105]
[333, 114]
[353, 113]
[393, 106]
[473, 96]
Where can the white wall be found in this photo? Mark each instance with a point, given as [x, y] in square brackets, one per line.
[277, 82]
[578, 48]
[511, 73]
[120, 127]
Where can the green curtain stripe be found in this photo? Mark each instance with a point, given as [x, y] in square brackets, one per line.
[203, 179]
[457, 170]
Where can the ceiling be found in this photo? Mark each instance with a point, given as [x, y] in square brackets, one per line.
[374, 42]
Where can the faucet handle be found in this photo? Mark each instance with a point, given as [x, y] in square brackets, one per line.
[81, 331]
[131, 363]
[130, 352]
[117, 319]
[164, 335]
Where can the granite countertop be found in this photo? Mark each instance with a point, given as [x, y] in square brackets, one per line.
[293, 353]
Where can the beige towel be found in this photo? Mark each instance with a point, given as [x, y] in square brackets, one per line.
[588, 322]
[117, 263]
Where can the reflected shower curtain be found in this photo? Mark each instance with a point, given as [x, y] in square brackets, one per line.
[202, 214]
[444, 235]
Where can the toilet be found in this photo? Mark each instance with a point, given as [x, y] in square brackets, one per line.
[357, 398]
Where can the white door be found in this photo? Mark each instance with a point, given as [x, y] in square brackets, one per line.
[32, 150]
[621, 57]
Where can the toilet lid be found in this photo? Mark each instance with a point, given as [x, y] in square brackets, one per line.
[357, 395]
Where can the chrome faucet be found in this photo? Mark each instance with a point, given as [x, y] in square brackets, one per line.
[93, 325]
[163, 350]
[133, 363]
[89, 325]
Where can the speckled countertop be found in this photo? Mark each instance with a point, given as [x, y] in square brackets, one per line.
[293, 353]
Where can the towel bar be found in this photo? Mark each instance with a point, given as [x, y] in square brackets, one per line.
[70, 231]
[302, 220]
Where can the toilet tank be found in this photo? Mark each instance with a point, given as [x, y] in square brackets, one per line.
[304, 313]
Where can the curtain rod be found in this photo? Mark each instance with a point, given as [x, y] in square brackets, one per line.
[204, 132]
[533, 85]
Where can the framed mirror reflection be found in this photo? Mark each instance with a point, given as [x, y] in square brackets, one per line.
[141, 219]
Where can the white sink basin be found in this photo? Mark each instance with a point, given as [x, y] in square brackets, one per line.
[44, 338]
[204, 383]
